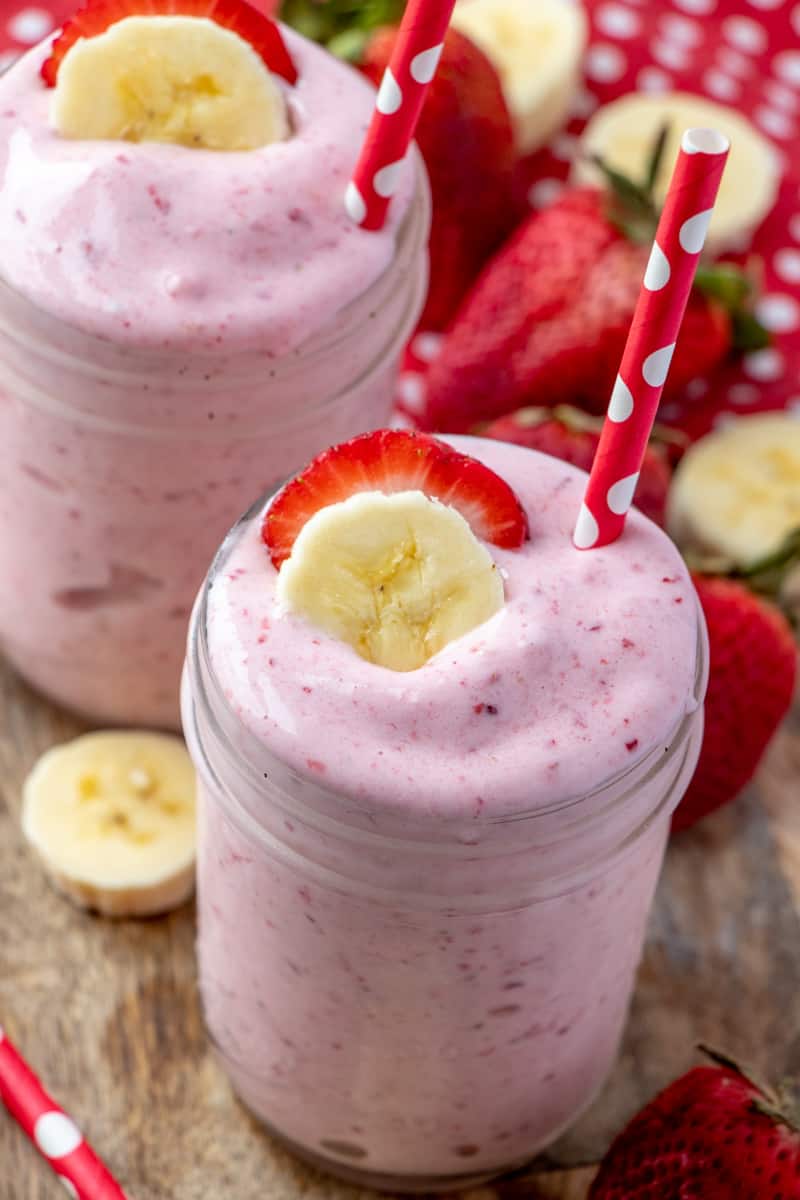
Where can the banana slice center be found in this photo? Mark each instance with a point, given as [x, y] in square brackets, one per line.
[397, 577]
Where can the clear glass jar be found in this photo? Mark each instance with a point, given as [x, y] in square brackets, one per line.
[121, 470]
[412, 1009]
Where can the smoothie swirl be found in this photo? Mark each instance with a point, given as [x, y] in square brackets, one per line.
[585, 669]
[166, 246]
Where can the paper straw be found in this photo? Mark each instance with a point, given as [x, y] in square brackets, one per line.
[54, 1135]
[416, 54]
[659, 312]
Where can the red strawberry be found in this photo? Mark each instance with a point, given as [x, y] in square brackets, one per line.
[711, 1135]
[250, 23]
[571, 435]
[467, 141]
[547, 320]
[395, 460]
[753, 668]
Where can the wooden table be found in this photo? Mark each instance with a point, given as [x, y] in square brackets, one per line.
[108, 1014]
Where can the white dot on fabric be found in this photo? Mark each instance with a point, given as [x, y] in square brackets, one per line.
[389, 96]
[30, 25]
[658, 270]
[424, 64]
[583, 104]
[55, 1135]
[544, 192]
[764, 365]
[587, 531]
[778, 313]
[564, 147]
[616, 21]
[723, 420]
[620, 496]
[734, 62]
[621, 404]
[671, 55]
[697, 8]
[692, 236]
[681, 29]
[656, 366]
[787, 66]
[387, 179]
[781, 96]
[775, 123]
[653, 81]
[743, 394]
[669, 412]
[745, 34]
[786, 264]
[354, 204]
[427, 346]
[411, 390]
[69, 1186]
[721, 86]
[697, 388]
[605, 63]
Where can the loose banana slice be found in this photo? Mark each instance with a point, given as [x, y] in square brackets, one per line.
[112, 817]
[736, 493]
[536, 47]
[624, 132]
[169, 79]
[397, 577]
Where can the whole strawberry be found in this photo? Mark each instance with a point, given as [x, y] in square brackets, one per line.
[750, 688]
[711, 1135]
[571, 435]
[547, 320]
[464, 133]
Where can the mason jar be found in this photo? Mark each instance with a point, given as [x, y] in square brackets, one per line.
[417, 1006]
[121, 468]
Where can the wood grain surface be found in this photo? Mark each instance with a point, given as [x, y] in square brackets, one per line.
[108, 1014]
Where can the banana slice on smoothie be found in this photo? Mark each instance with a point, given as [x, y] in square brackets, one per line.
[111, 815]
[397, 577]
[179, 79]
[624, 132]
[536, 47]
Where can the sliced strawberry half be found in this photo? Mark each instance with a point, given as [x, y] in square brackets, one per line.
[395, 460]
[239, 17]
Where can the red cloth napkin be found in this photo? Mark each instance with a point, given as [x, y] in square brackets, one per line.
[745, 53]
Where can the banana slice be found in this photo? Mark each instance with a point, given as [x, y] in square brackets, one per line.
[536, 47]
[169, 79]
[624, 132]
[397, 577]
[736, 493]
[112, 817]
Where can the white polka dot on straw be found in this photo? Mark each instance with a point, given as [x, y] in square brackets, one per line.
[620, 496]
[655, 367]
[621, 404]
[390, 96]
[658, 270]
[55, 1135]
[387, 179]
[423, 66]
[587, 530]
[693, 232]
[354, 203]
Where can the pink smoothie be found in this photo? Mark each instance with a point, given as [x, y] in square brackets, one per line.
[179, 329]
[421, 916]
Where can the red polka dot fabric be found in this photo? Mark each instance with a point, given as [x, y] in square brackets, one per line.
[745, 53]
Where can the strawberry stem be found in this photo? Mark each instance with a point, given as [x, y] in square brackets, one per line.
[779, 1107]
[734, 288]
[343, 26]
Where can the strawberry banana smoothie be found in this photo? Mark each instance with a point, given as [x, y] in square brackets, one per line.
[180, 328]
[423, 892]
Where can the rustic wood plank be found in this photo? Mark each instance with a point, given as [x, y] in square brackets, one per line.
[109, 1015]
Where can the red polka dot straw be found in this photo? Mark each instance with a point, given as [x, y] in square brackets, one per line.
[54, 1135]
[413, 64]
[646, 360]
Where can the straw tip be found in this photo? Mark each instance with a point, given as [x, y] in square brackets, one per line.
[705, 141]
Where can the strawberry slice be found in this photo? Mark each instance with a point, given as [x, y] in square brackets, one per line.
[239, 17]
[395, 460]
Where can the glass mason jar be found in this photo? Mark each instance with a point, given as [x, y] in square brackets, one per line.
[416, 1008]
[122, 468]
